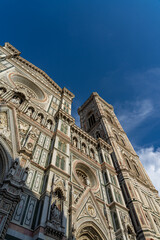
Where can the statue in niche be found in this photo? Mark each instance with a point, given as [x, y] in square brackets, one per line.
[13, 168]
[75, 142]
[55, 215]
[39, 118]
[25, 175]
[87, 181]
[16, 100]
[2, 90]
[49, 124]
[29, 112]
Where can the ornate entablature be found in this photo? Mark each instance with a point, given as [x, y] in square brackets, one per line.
[59, 181]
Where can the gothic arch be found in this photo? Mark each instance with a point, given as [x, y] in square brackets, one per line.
[5, 159]
[90, 231]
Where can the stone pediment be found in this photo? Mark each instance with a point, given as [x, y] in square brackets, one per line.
[88, 209]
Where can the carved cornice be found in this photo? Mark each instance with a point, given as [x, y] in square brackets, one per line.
[103, 144]
[12, 50]
[64, 116]
[84, 134]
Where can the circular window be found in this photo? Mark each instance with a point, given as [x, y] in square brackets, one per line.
[85, 175]
[28, 86]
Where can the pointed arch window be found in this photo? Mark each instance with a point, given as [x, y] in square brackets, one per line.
[91, 120]
[98, 135]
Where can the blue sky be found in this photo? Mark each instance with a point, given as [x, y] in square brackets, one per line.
[109, 47]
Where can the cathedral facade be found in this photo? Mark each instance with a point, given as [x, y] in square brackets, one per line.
[59, 181]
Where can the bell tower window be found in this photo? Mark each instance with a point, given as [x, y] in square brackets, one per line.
[91, 120]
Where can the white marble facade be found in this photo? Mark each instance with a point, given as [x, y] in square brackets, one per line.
[59, 181]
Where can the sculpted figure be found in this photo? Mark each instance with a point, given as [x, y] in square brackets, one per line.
[55, 213]
[29, 112]
[16, 100]
[39, 118]
[13, 168]
[49, 125]
[2, 90]
[25, 175]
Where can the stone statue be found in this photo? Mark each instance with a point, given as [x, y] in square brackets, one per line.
[49, 125]
[29, 112]
[39, 118]
[2, 90]
[25, 175]
[16, 100]
[87, 181]
[55, 213]
[13, 168]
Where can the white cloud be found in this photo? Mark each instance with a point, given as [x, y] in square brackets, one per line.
[133, 114]
[150, 159]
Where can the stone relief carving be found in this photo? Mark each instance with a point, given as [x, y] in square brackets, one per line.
[91, 210]
[127, 226]
[23, 127]
[4, 128]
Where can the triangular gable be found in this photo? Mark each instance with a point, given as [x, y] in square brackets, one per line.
[88, 207]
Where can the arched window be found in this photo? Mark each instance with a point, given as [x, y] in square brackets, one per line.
[98, 135]
[91, 120]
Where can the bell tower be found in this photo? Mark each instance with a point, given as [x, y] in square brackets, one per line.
[99, 120]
